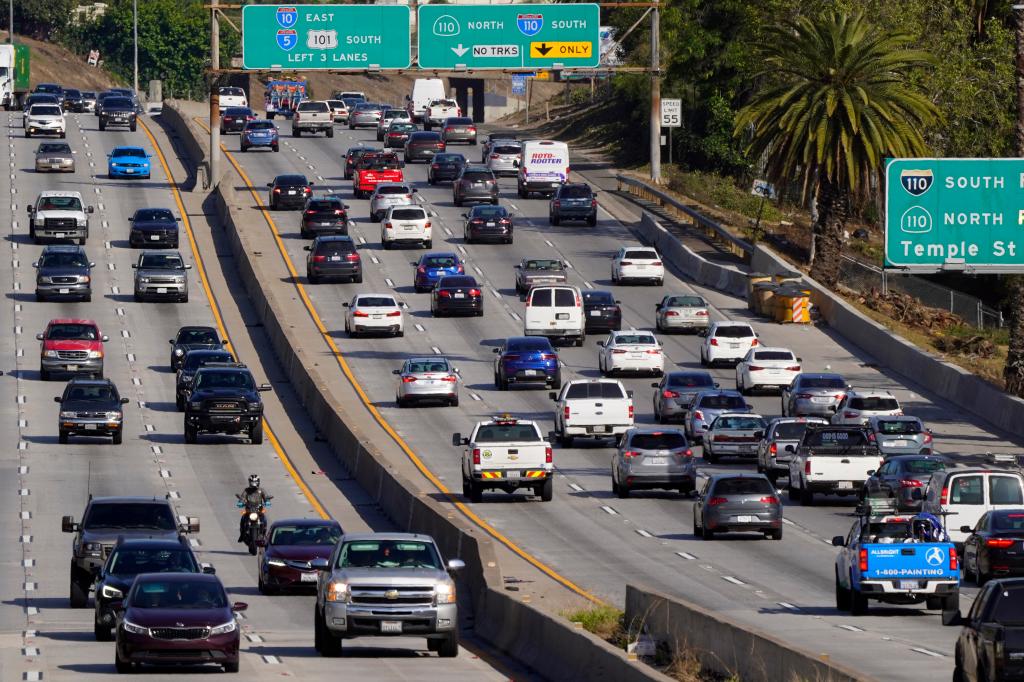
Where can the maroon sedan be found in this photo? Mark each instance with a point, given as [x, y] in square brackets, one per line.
[290, 545]
[177, 618]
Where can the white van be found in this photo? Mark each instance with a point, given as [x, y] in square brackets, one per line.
[424, 91]
[543, 166]
[966, 494]
[555, 311]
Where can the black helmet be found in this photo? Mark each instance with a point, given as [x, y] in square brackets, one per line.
[254, 481]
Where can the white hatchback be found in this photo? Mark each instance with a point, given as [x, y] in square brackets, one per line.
[766, 368]
[638, 264]
[857, 406]
[374, 314]
[727, 341]
[409, 224]
[388, 194]
[631, 350]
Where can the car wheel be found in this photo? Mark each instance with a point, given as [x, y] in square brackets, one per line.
[386, 244]
[103, 633]
[256, 433]
[842, 596]
[554, 219]
[79, 590]
[454, 402]
[358, 279]
[117, 437]
[622, 491]
[706, 533]
[449, 646]
[62, 438]
[121, 666]
[191, 434]
[476, 493]
[311, 278]
[774, 534]
[546, 490]
[231, 667]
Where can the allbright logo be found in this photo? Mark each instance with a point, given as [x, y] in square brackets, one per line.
[935, 556]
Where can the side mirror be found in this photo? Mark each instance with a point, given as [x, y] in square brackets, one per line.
[871, 472]
[789, 448]
[629, 394]
[799, 359]
[57, 399]
[319, 564]
[270, 184]
[39, 337]
[716, 384]
[465, 215]
[90, 210]
[952, 618]
[124, 401]
[456, 439]
[838, 541]
[553, 395]
[396, 371]
[264, 388]
[192, 525]
[239, 606]
[104, 338]
[966, 529]
[188, 266]
[654, 385]
[170, 341]
[601, 343]
[344, 305]
[208, 569]
[68, 525]
[135, 266]
[307, 247]
[28, 209]
[311, 184]
[414, 190]
[92, 265]
[456, 564]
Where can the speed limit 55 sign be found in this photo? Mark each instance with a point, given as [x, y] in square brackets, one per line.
[671, 113]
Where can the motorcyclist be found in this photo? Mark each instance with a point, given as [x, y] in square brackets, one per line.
[253, 498]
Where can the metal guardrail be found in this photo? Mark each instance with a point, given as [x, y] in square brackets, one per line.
[713, 230]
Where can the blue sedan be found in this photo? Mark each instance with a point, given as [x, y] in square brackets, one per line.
[259, 133]
[128, 162]
[526, 360]
[433, 266]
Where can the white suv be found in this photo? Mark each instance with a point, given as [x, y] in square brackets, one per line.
[727, 341]
[858, 406]
[406, 224]
[638, 263]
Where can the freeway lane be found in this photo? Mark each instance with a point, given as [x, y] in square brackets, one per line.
[596, 540]
[44, 480]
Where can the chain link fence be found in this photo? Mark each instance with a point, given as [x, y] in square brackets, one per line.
[862, 277]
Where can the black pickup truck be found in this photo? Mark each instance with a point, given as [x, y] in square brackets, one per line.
[991, 645]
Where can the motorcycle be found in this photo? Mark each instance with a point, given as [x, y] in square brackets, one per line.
[255, 524]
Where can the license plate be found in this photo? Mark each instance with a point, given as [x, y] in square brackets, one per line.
[90, 427]
[908, 584]
[377, 317]
[492, 224]
[161, 290]
[734, 345]
[64, 291]
[460, 296]
[291, 191]
[600, 429]
[409, 227]
[899, 443]
[59, 235]
[844, 484]
[154, 237]
[72, 368]
[747, 448]
[641, 267]
[335, 258]
[656, 461]
[391, 627]
[820, 400]
[513, 474]
[530, 372]
[595, 313]
[746, 519]
[129, 170]
[636, 355]
[561, 316]
[307, 578]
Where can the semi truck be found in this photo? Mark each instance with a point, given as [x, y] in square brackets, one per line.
[15, 63]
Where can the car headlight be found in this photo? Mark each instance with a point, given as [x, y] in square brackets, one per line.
[444, 593]
[338, 592]
[85, 279]
[40, 222]
[82, 222]
[179, 352]
[93, 548]
[68, 415]
[144, 280]
[113, 416]
[275, 562]
[93, 354]
[109, 592]
[114, 164]
[45, 280]
[195, 405]
[224, 629]
[133, 628]
[49, 353]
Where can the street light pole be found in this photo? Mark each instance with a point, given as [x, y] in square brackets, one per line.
[10, 22]
[135, 35]
[655, 96]
[214, 95]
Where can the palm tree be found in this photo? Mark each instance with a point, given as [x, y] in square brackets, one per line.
[837, 102]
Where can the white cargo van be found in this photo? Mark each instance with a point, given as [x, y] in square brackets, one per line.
[966, 494]
[424, 91]
[543, 166]
[556, 312]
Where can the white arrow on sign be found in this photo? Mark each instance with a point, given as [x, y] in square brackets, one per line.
[460, 50]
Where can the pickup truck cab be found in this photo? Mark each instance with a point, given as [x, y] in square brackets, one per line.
[505, 453]
[832, 460]
[895, 559]
[313, 116]
[373, 169]
[440, 110]
[991, 643]
[592, 408]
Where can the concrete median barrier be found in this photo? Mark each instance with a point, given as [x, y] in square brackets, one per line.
[546, 642]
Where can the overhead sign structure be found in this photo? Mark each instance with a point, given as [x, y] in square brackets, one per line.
[509, 36]
[954, 214]
[326, 37]
[671, 113]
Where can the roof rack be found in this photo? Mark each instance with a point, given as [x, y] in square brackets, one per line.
[877, 507]
[1005, 459]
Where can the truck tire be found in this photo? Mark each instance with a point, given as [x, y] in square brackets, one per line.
[950, 602]
[256, 433]
[449, 646]
[858, 603]
[330, 646]
[546, 490]
[842, 596]
[330, 132]
[476, 493]
[565, 439]
[79, 589]
[191, 434]
[806, 497]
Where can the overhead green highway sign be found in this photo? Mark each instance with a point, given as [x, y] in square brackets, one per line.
[325, 37]
[509, 36]
[954, 214]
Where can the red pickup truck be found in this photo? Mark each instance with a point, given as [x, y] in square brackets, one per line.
[71, 346]
[375, 168]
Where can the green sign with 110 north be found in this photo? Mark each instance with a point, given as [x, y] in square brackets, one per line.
[954, 214]
[509, 36]
[325, 37]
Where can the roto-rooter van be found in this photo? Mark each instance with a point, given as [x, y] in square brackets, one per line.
[543, 166]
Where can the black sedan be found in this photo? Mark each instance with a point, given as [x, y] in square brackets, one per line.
[193, 338]
[324, 215]
[352, 157]
[445, 168]
[601, 311]
[233, 119]
[995, 546]
[900, 476]
[289, 191]
[153, 227]
[456, 294]
[423, 146]
[488, 223]
[398, 133]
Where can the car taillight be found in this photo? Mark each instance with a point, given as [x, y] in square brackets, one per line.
[630, 411]
[850, 415]
[863, 561]
[626, 262]
[408, 380]
[444, 293]
[657, 262]
[421, 269]
[394, 134]
[807, 467]
[954, 560]
[910, 483]
[1002, 543]
[685, 453]
[451, 379]
[769, 499]
[944, 496]
[472, 129]
[671, 313]
[548, 356]
[462, 268]
[654, 351]
[439, 145]
[547, 455]
[839, 396]
[435, 166]
[476, 456]
[277, 190]
[773, 449]
[307, 190]
[556, 203]
[630, 453]
[319, 259]
[701, 313]
[715, 501]
[352, 257]
[338, 211]
[360, 313]
[565, 412]
[927, 436]
[669, 394]
[618, 351]
[388, 226]
[593, 203]
[698, 415]
[512, 357]
[495, 156]
[713, 342]
[397, 313]
[310, 212]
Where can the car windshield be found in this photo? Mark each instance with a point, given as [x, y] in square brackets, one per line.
[130, 515]
[537, 265]
[743, 486]
[690, 380]
[64, 259]
[318, 107]
[1009, 606]
[440, 261]
[131, 152]
[1008, 520]
[774, 355]
[828, 438]
[323, 205]
[739, 423]
[194, 361]
[739, 331]
[923, 466]
[291, 180]
[529, 344]
[501, 433]
[233, 92]
[45, 110]
[375, 302]
[230, 379]
[408, 214]
[402, 127]
[477, 176]
[60, 204]
[598, 298]
[641, 254]
[133, 561]
[198, 336]
[458, 121]
[259, 125]
[159, 261]
[902, 427]
[723, 402]
[367, 106]
[450, 158]
[878, 404]
[117, 103]
[821, 382]
[594, 390]
[101, 392]
[661, 440]
[82, 332]
[634, 339]
[392, 189]
[178, 594]
[327, 534]
[161, 215]
[489, 212]
[685, 302]
[419, 366]
[238, 111]
[425, 137]
[54, 148]
[389, 554]
[575, 192]
[790, 430]
[507, 149]
[455, 282]
[886, 532]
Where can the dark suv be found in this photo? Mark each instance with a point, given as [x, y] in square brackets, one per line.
[324, 215]
[573, 201]
[333, 256]
[289, 191]
[104, 521]
[73, 100]
[153, 227]
[193, 338]
[129, 558]
[224, 399]
[352, 157]
[475, 183]
[63, 272]
[90, 407]
[194, 359]
[118, 111]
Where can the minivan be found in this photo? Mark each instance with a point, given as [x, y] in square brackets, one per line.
[966, 494]
[555, 312]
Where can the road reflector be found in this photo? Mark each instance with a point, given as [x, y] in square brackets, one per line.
[552, 50]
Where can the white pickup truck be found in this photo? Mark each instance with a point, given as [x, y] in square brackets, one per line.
[439, 111]
[592, 408]
[313, 116]
[505, 453]
[832, 460]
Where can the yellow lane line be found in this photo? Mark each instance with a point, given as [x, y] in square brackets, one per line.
[201, 268]
[371, 408]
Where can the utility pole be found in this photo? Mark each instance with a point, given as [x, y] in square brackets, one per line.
[655, 97]
[214, 96]
[10, 22]
[1013, 371]
[135, 34]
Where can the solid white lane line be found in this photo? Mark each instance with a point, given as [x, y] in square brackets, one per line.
[474, 396]
[851, 628]
[437, 351]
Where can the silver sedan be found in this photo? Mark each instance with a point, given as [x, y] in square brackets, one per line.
[679, 312]
[813, 395]
[427, 378]
[55, 156]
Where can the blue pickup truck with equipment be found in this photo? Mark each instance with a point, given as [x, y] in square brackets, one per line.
[896, 559]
